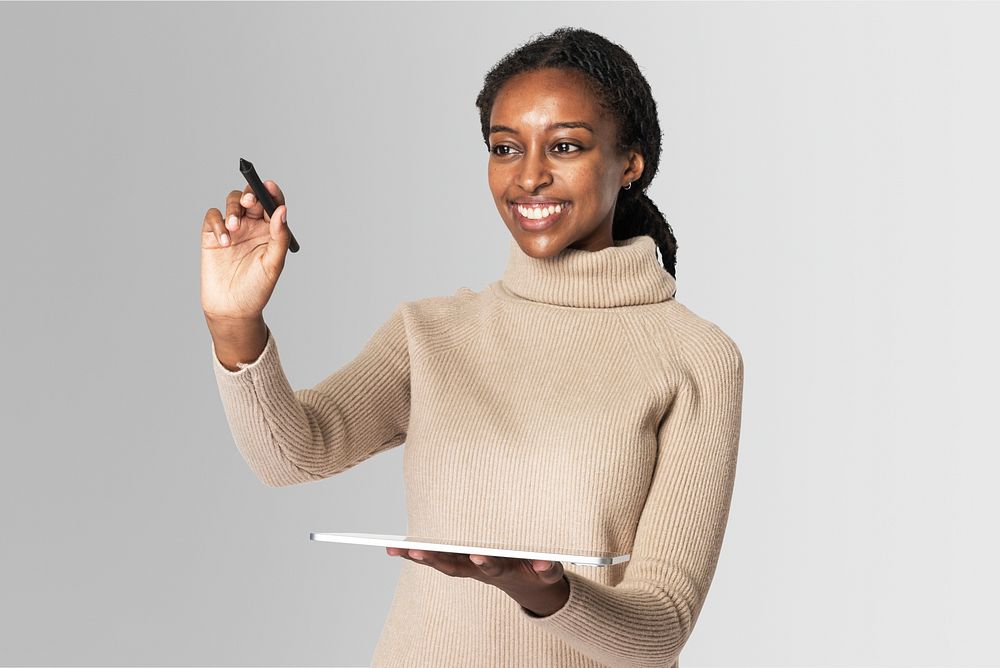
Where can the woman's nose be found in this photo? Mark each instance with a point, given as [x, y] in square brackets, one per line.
[535, 171]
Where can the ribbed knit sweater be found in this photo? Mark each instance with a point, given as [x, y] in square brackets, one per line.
[572, 404]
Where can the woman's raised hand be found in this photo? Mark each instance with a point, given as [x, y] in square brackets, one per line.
[242, 255]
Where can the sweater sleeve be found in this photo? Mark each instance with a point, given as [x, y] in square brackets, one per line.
[292, 436]
[646, 619]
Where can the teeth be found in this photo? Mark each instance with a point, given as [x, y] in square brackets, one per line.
[537, 212]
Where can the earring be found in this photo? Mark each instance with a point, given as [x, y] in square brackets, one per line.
[629, 185]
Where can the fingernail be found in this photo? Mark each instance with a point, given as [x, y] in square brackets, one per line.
[224, 238]
[417, 557]
[231, 223]
[478, 561]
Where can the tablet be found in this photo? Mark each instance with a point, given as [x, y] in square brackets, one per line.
[576, 557]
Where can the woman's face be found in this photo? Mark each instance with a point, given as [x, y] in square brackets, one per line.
[533, 163]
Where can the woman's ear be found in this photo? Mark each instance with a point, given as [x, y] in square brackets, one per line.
[636, 164]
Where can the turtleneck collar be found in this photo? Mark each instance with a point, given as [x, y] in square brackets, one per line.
[625, 274]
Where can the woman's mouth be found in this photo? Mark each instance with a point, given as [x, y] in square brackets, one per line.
[536, 218]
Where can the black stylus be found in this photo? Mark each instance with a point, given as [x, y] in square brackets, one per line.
[264, 197]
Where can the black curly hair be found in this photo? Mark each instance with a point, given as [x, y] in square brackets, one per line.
[622, 90]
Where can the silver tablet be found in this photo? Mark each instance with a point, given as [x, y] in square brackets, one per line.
[576, 557]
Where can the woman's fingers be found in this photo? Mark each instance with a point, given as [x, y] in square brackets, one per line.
[276, 194]
[234, 212]
[215, 221]
[254, 209]
[239, 205]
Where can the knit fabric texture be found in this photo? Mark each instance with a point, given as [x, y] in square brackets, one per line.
[574, 404]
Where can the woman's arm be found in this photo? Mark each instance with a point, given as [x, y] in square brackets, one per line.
[647, 618]
[292, 436]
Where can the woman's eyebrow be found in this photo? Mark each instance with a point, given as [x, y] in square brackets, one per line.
[565, 124]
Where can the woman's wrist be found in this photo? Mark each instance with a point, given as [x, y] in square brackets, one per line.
[545, 602]
[237, 340]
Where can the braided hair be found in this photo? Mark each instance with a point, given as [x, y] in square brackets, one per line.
[621, 89]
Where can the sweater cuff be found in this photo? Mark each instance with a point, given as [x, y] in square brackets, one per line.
[595, 622]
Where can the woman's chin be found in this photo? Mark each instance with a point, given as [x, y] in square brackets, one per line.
[539, 245]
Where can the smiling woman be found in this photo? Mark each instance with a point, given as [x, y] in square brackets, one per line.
[556, 182]
[574, 141]
[574, 404]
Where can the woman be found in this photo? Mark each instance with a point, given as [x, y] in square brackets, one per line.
[573, 404]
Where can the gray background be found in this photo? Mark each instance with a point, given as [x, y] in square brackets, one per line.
[830, 171]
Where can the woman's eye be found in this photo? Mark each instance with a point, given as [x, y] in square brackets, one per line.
[498, 149]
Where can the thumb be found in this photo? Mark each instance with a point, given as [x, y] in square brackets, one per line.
[548, 571]
[277, 247]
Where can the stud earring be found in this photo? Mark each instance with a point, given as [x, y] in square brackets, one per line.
[629, 185]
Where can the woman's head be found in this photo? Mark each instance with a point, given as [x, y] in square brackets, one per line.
[573, 76]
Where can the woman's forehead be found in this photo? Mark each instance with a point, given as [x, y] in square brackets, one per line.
[541, 99]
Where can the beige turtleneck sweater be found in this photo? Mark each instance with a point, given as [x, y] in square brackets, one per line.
[573, 404]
